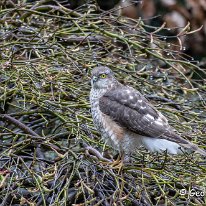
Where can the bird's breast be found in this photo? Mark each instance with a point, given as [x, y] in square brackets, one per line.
[109, 129]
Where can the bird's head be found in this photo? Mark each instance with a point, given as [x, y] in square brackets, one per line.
[102, 78]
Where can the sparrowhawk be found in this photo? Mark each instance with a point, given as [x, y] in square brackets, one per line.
[126, 119]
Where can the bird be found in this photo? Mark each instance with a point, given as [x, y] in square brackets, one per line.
[126, 120]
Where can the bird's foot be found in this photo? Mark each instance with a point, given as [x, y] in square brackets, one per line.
[118, 163]
[115, 164]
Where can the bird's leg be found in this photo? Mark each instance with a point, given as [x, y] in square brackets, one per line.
[122, 159]
[119, 162]
[115, 161]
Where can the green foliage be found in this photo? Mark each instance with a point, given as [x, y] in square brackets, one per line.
[49, 146]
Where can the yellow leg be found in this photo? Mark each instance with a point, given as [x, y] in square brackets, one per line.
[118, 163]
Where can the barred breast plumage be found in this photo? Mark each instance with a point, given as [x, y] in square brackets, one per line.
[109, 129]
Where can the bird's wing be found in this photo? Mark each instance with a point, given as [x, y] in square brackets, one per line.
[130, 109]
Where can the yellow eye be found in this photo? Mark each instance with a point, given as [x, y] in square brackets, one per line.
[103, 76]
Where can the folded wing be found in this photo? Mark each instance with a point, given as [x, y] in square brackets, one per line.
[130, 109]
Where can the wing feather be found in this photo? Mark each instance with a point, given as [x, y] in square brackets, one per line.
[130, 109]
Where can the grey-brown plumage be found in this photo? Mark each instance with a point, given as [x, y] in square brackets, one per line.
[126, 120]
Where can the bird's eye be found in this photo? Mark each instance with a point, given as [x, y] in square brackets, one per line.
[103, 76]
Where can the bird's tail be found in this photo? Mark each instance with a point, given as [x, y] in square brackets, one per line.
[186, 144]
[193, 147]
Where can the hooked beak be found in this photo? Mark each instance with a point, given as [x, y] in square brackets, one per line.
[94, 79]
